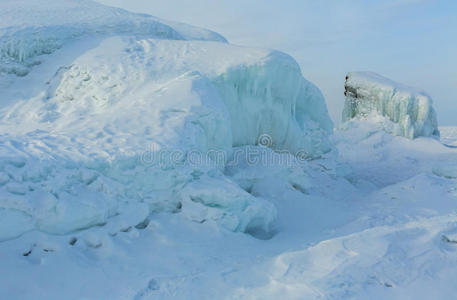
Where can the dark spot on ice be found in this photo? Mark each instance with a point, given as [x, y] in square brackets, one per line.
[260, 233]
[448, 240]
[73, 241]
[249, 188]
[153, 285]
[388, 285]
[300, 189]
[27, 253]
[127, 229]
[143, 224]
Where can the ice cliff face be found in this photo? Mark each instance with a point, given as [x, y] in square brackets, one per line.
[125, 116]
[402, 110]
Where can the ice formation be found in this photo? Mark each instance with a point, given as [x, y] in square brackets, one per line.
[31, 28]
[125, 113]
[401, 110]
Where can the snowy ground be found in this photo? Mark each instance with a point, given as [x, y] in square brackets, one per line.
[387, 229]
[85, 213]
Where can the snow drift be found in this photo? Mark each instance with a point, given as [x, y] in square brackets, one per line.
[401, 110]
[109, 129]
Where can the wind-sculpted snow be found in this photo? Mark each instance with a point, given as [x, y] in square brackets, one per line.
[401, 110]
[30, 28]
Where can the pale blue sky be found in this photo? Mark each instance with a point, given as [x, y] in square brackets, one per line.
[410, 41]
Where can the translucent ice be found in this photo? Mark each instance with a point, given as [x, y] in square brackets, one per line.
[407, 111]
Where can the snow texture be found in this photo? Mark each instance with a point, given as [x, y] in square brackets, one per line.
[402, 110]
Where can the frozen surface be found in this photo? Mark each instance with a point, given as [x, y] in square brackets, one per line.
[139, 166]
[401, 110]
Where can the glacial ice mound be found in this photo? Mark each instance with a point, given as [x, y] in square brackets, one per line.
[111, 130]
[402, 110]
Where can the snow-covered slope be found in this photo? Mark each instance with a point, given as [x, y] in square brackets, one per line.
[400, 110]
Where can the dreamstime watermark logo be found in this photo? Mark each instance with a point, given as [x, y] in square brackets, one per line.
[265, 140]
[265, 153]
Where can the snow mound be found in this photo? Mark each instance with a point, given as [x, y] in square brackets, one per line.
[403, 110]
[30, 28]
[380, 262]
